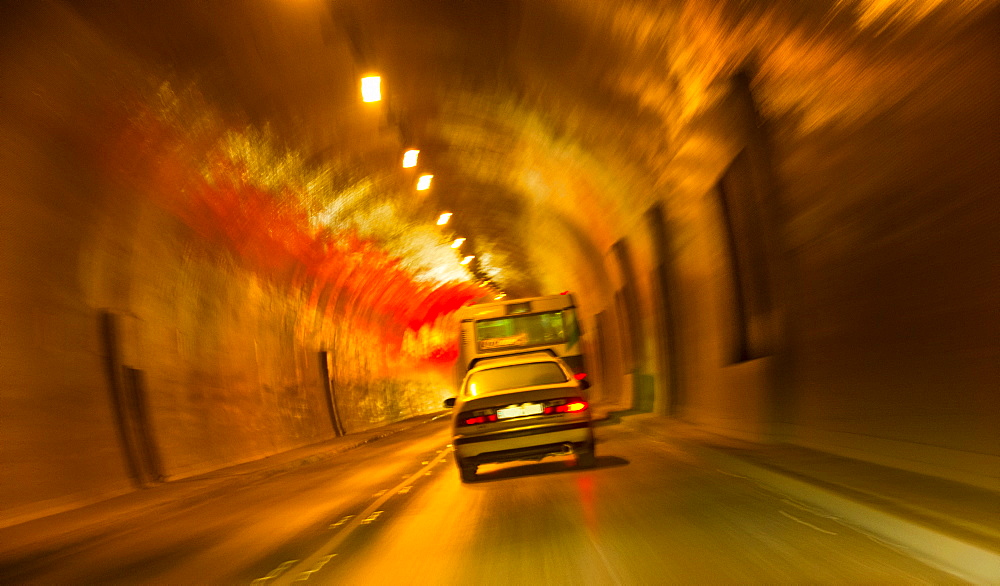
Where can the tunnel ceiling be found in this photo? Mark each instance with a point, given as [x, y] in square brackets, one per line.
[544, 123]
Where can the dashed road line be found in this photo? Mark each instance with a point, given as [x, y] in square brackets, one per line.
[372, 517]
[276, 572]
[341, 522]
[812, 510]
[326, 552]
[810, 525]
[319, 566]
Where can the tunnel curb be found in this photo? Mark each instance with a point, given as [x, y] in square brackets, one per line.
[36, 539]
[954, 555]
[947, 552]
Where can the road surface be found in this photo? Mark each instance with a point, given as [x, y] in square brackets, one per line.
[394, 512]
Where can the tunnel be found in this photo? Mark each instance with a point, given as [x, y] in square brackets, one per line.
[778, 220]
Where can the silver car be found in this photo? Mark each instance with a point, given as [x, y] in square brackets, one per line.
[523, 407]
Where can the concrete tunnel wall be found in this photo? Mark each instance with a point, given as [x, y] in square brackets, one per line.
[825, 283]
[826, 211]
[141, 345]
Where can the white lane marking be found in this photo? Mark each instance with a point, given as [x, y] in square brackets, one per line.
[604, 559]
[319, 566]
[731, 474]
[372, 517]
[797, 520]
[380, 493]
[330, 546]
[342, 521]
[812, 510]
[275, 572]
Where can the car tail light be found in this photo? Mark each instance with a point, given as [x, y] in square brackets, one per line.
[580, 375]
[477, 417]
[574, 405]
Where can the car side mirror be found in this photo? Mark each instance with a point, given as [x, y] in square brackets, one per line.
[449, 402]
[584, 384]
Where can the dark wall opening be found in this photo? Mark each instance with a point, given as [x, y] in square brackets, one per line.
[745, 250]
[128, 397]
[668, 362]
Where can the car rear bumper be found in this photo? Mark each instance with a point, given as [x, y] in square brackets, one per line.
[524, 443]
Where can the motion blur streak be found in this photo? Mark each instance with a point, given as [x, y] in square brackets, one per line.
[777, 220]
[254, 200]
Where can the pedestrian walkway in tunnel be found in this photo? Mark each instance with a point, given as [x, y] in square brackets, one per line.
[957, 525]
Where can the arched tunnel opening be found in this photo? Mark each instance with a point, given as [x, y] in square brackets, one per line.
[777, 219]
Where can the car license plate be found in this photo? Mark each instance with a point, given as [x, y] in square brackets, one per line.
[520, 410]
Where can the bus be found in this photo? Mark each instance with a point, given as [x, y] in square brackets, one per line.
[519, 326]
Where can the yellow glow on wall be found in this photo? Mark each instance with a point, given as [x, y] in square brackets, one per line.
[458, 242]
[410, 158]
[424, 182]
[467, 259]
[371, 88]
[443, 218]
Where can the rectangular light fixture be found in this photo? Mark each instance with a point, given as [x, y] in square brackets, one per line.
[467, 260]
[410, 158]
[458, 242]
[371, 88]
[443, 218]
[424, 182]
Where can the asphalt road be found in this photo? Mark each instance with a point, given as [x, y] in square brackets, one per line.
[394, 512]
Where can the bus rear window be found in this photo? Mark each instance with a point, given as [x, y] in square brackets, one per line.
[521, 331]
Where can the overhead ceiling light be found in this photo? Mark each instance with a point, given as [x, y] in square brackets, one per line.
[424, 182]
[443, 218]
[467, 259]
[410, 158]
[458, 242]
[371, 88]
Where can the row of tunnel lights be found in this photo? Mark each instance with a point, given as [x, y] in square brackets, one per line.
[371, 91]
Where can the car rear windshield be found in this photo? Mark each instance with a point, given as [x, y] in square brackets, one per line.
[514, 376]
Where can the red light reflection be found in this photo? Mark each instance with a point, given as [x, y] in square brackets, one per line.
[340, 274]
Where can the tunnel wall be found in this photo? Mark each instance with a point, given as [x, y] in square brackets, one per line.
[827, 186]
[135, 348]
[829, 211]
[831, 274]
[891, 242]
[870, 331]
